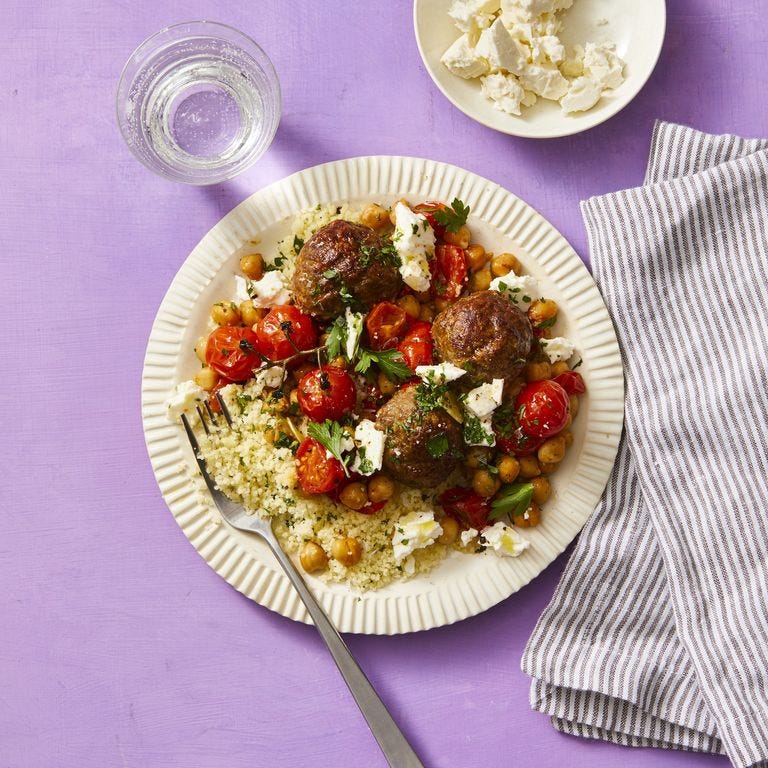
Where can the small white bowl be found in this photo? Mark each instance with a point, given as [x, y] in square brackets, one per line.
[637, 28]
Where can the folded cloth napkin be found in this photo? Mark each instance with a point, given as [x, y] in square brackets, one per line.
[657, 634]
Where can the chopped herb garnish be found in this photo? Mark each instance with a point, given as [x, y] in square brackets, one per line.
[385, 254]
[344, 294]
[298, 244]
[475, 432]
[330, 435]
[512, 500]
[437, 446]
[430, 395]
[390, 361]
[453, 218]
[286, 441]
[331, 274]
[548, 323]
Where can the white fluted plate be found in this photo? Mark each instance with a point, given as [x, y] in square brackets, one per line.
[462, 585]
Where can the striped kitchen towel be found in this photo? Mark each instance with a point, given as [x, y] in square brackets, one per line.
[657, 634]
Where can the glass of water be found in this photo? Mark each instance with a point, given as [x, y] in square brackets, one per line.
[198, 102]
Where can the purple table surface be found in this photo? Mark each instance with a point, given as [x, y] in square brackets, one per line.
[119, 646]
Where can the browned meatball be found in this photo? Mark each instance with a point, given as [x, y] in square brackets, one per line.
[411, 432]
[345, 264]
[485, 334]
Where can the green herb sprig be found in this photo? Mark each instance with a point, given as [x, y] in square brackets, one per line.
[453, 218]
[512, 500]
[330, 435]
[390, 361]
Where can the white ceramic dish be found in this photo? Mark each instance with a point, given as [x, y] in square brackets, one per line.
[637, 28]
[463, 585]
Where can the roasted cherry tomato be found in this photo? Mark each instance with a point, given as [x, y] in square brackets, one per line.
[571, 382]
[542, 408]
[385, 325]
[316, 471]
[284, 331]
[466, 506]
[449, 271]
[417, 345]
[428, 209]
[327, 393]
[233, 352]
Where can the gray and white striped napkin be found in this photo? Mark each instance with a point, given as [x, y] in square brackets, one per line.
[658, 632]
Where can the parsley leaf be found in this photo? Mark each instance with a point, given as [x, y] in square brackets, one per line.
[437, 446]
[390, 361]
[513, 500]
[331, 274]
[336, 338]
[331, 436]
[453, 218]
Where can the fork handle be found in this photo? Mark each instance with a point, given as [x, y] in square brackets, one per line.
[393, 743]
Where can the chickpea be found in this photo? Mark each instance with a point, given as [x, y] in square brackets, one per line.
[541, 489]
[441, 304]
[476, 257]
[480, 280]
[484, 483]
[339, 362]
[530, 518]
[450, 531]
[380, 488]
[567, 435]
[460, 238]
[552, 451]
[538, 371]
[549, 469]
[207, 378]
[249, 314]
[529, 466]
[574, 403]
[503, 264]
[312, 557]
[374, 216]
[347, 551]
[392, 217]
[476, 456]
[386, 387]
[281, 404]
[542, 310]
[410, 305]
[252, 266]
[559, 367]
[202, 343]
[225, 313]
[354, 496]
[509, 469]
[426, 313]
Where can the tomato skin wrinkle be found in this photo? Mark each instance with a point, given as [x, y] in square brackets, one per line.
[417, 347]
[326, 393]
[385, 325]
[542, 408]
[449, 271]
[315, 470]
[233, 352]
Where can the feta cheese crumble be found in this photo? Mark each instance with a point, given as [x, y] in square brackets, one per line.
[439, 374]
[184, 397]
[485, 399]
[466, 536]
[354, 331]
[414, 242]
[370, 448]
[514, 47]
[413, 531]
[270, 291]
[519, 289]
[557, 349]
[504, 540]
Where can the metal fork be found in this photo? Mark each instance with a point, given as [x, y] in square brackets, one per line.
[393, 743]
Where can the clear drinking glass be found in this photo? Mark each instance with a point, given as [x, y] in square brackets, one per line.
[198, 102]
